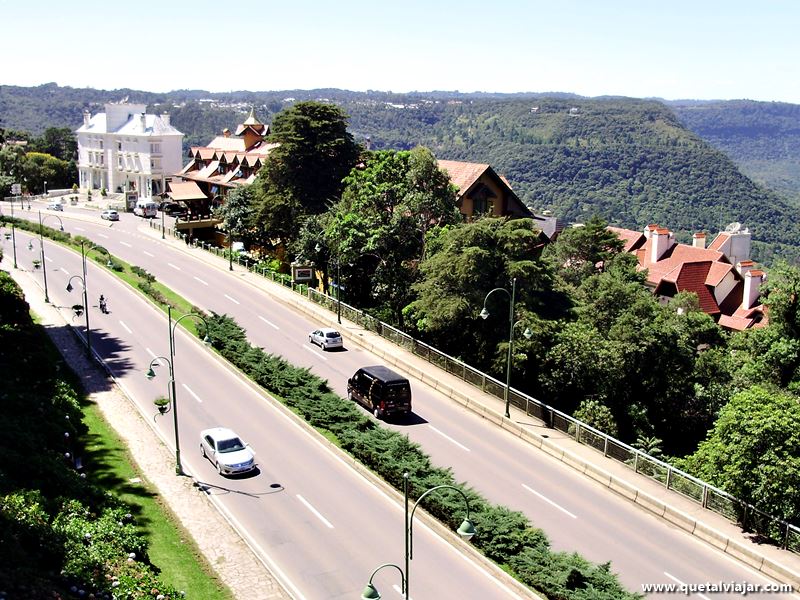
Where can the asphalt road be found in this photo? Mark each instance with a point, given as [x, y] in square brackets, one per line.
[577, 513]
[323, 526]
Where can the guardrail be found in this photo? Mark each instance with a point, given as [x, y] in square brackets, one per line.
[709, 497]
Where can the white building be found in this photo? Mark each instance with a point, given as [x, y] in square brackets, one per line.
[124, 150]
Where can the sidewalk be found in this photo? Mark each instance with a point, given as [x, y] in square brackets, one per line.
[226, 552]
[643, 491]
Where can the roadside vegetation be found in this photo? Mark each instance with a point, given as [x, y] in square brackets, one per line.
[72, 523]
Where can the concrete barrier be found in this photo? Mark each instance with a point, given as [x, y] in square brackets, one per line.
[679, 519]
[711, 536]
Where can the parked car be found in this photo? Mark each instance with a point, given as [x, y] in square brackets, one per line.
[380, 390]
[228, 453]
[110, 215]
[174, 209]
[326, 338]
[55, 206]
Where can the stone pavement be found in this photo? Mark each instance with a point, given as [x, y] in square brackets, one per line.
[227, 553]
[646, 493]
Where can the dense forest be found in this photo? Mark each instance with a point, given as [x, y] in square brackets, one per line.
[762, 138]
[630, 161]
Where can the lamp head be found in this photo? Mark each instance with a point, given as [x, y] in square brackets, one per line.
[484, 313]
[110, 264]
[317, 248]
[527, 333]
[30, 245]
[69, 286]
[466, 530]
[61, 228]
[150, 373]
[370, 593]
[207, 340]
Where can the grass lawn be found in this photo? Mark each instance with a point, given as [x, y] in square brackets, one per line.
[171, 549]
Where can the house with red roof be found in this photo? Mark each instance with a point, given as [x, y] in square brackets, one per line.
[722, 275]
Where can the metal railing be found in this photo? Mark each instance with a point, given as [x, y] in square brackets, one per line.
[709, 497]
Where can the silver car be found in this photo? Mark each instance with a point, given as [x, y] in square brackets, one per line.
[55, 206]
[110, 215]
[228, 453]
[326, 338]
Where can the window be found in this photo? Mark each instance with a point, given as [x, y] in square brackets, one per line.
[101, 144]
[155, 148]
[119, 146]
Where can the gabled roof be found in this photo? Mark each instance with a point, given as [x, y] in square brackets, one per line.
[154, 125]
[465, 175]
[691, 277]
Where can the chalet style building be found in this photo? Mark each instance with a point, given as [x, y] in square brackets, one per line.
[126, 150]
[228, 161]
[722, 275]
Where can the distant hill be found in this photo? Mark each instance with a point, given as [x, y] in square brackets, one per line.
[631, 161]
[762, 138]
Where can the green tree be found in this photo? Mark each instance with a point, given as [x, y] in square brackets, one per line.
[315, 154]
[752, 451]
[579, 252]
[378, 229]
[238, 214]
[464, 263]
[598, 415]
[57, 141]
[781, 293]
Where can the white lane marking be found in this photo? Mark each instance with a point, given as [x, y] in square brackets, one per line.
[268, 322]
[676, 580]
[447, 437]
[234, 300]
[315, 353]
[315, 511]
[188, 389]
[64, 271]
[173, 266]
[102, 235]
[128, 329]
[79, 229]
[48, 259]
[532, 491]
[126, 244]
[201, 281]
[148, 254]
[150, 352]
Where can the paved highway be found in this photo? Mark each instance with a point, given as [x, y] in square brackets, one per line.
[577, 514]
[322, 525]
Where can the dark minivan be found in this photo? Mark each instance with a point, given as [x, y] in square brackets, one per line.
[381, 390]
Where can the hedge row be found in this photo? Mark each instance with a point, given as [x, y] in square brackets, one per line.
[505, 536]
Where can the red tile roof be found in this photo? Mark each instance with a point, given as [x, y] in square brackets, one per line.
[463, 174]
[631, 238]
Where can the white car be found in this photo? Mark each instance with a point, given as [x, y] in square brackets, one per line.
[326, 338]
[229, 454]
[55, 206]
[110, 215]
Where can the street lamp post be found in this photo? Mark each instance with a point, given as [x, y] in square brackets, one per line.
[466, 530]
[85, 307]
[41, 244]
[13, 235]
[230, 251]
[171, 362]
[512, 296]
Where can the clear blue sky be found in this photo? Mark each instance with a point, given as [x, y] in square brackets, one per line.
[705, 49]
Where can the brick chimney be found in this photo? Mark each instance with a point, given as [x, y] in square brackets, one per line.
[699, 240]
[752, 288]
[660, 242]
[165, 118]
[743, 266]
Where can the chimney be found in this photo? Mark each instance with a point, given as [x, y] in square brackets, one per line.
[699, 240]
[649, 230]
[165, 118]
[660, 242]
[743, 266]
[142, 123]
[226, 132]
[86, 117]
[752, 288]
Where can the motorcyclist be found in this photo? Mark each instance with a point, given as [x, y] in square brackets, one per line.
[102, 302]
